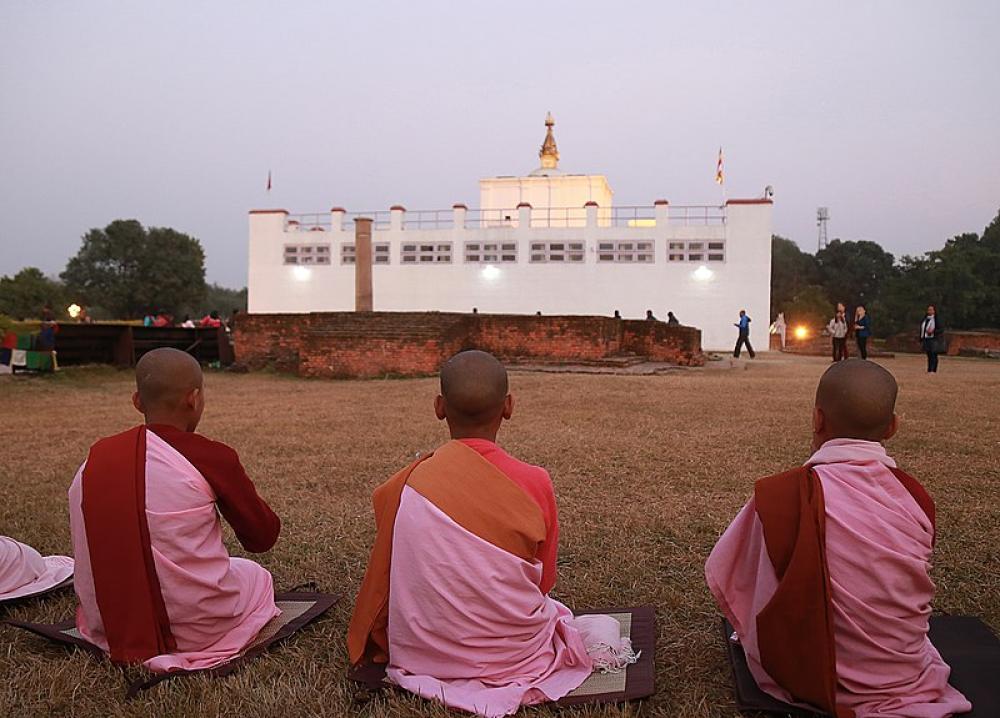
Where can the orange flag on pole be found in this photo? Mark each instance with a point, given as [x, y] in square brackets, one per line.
[719, 178]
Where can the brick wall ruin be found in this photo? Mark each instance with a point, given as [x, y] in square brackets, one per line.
[349, 344]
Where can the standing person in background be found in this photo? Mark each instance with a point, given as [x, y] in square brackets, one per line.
[932, 338]
[862, 330]
[780, 327]
[672, 320]
[838, 331]
[744, 337]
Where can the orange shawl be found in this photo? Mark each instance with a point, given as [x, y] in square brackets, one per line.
[474, 494]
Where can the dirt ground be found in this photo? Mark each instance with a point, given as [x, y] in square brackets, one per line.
[648, 471]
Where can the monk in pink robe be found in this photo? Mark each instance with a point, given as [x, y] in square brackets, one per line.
[25, 572]
[454, 601]
[154, 580]
[824, 574]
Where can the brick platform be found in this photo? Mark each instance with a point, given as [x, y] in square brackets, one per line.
[959, 342]
[359, 345]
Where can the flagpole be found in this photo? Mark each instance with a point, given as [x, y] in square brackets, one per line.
[720, 177]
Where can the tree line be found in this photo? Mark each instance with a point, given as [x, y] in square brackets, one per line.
[124, 271]
[962, 280]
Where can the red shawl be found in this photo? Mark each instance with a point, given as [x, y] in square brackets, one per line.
[114, 510]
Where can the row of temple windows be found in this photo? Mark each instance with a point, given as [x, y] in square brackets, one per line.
[627, 252]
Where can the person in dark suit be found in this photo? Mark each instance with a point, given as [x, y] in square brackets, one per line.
[932, 338]
[862, 330]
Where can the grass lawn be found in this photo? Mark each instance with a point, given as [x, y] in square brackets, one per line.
[648, 471]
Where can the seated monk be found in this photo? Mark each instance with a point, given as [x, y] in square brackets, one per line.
[154, 580]
[824, 574]
[454, 600]
[25, 572]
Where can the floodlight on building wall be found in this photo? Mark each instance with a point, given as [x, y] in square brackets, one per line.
[490, 273]
[703, 273]
[302, 274]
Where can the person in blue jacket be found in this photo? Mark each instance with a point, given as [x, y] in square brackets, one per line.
[744, 337]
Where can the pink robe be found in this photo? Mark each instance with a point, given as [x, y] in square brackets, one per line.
[216, 604]
[878, 549]
[448, 625]
[24, 572]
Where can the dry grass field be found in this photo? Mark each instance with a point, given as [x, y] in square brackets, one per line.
[648, 471]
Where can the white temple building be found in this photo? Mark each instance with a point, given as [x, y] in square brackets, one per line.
[549, 242]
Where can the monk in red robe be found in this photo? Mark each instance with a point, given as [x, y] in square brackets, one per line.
[824, 574]
[154, 580]
[454, 600]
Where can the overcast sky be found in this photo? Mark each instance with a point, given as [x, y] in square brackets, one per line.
[173, 112]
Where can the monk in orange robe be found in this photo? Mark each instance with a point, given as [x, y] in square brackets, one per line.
[454, 600]
[154, 580]
[824, 574]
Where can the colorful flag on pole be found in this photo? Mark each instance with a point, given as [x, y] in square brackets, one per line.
[269, 179]
[719, 177]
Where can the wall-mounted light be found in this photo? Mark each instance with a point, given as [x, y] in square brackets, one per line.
[302, 274]
[490, 273]
[703, 273]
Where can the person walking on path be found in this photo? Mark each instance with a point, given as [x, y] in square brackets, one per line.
[932, 338]
[862, 330]
[838, 331]
[744, 337]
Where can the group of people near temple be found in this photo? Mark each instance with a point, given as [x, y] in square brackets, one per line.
[165, 319]
[839, 328]
[824, 573]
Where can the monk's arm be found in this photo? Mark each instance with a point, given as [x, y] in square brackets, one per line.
[255, 524]
[548, 552]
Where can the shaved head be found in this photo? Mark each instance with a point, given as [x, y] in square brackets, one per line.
[474, 387]
[164, 378]
[858, 400]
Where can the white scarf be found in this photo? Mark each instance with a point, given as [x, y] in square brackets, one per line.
[928, 329]
[853, 451]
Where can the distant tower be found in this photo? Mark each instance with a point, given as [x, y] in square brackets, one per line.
[549, 154]
[822, 217]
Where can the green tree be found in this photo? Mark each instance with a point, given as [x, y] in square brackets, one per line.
[25, 294]
[854, 272]
[809, 307]
[792, 270]
[129, 270]
[962, 280]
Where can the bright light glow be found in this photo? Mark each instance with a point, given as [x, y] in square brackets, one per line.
[703, 273]
[490, 273]
[74, 310]
[302, 274]
[801, 332]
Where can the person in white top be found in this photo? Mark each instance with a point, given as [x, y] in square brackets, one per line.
[837, 329]
[932, 338]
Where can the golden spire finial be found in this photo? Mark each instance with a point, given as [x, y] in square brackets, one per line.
[549, 154]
